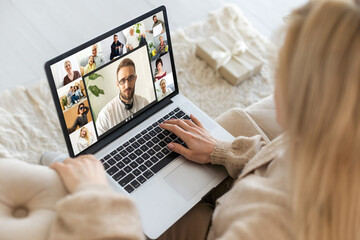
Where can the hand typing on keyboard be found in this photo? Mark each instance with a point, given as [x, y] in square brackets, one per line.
[80, 171]
[200, 144]
[136, 161]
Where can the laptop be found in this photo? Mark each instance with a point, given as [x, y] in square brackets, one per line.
[110, 94]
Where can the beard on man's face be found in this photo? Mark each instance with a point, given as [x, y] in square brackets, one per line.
[127, 94]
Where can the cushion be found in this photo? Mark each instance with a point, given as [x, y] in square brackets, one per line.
[28, 194]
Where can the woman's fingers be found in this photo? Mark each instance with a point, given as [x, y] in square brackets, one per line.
[196, 121]
[57, 166]
[190, 123]
[75, 172]
[186, 124]
[176, 129]
[178, 122]
[178, 148]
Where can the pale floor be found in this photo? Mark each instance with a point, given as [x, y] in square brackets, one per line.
[34, 31]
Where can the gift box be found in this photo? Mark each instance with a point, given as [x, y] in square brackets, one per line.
[230, 56]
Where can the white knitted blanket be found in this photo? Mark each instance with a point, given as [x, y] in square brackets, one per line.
[29, 123]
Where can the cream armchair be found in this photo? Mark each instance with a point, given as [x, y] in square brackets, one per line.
[28, 193]
[258, 118]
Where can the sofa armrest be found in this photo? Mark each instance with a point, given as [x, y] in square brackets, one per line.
[259, 118]
[238, 123]
[264, 114]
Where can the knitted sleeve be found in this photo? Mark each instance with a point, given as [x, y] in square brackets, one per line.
[234, 155]
[96, 212]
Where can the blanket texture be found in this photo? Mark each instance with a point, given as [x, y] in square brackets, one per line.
[29, 122]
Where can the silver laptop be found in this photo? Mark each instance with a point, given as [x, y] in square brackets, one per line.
[111, 93]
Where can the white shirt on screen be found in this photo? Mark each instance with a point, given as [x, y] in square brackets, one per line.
[115, 112]
[133, 40]
[82, 143]
[161, 95]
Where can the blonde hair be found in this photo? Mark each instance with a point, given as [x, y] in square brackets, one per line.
[87, 137]
[319, 79]
[67, 61]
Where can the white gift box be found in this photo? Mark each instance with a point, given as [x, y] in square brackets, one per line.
[230, 56]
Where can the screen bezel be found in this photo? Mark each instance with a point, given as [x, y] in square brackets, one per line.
[147, 112]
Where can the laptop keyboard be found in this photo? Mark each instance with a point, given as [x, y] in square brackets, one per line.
[144, 155]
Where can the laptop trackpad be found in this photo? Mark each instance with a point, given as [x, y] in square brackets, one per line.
[189, 178]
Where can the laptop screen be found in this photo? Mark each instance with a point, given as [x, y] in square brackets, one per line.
[109, 81]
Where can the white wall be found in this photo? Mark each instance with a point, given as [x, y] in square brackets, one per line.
[32, 32]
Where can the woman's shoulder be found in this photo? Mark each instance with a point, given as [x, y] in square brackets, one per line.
[76, 75]
[158, 76]
[268, 153]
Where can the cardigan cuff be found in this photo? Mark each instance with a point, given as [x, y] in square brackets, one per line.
[220, 153]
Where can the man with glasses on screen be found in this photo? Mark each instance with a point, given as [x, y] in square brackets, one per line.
[126, 103]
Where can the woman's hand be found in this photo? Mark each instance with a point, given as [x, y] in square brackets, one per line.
[79, 171]
[200, 144]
